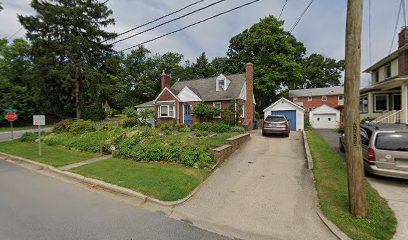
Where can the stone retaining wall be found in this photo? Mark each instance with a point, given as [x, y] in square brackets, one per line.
[223, 152]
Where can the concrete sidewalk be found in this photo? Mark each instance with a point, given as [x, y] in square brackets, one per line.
[263, 191]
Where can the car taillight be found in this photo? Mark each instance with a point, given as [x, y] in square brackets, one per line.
[370, 155]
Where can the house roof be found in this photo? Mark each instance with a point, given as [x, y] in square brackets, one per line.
[205, 88]
[386, 59]
[285, 100]
[145, 105]
[337, 90]
[325, 109]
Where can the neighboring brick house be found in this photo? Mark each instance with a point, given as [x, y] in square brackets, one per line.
[176, 103]
[313, 98]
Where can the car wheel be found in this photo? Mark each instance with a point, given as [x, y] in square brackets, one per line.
[342, 148]
[287, 135]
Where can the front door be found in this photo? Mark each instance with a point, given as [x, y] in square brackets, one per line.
[396, 99]
[187, 117]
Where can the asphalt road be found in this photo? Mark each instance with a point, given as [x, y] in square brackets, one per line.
[6, 136]
[39, 207]
[395, 191]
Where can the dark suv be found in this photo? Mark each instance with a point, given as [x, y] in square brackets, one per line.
[385, 149]
[276, 124]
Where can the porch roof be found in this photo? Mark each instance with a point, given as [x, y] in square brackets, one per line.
[386, 85]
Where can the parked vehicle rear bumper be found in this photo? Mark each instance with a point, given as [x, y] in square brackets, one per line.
[385, 172]
[275, 131]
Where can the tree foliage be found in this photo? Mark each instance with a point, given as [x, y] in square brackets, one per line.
[71, 61]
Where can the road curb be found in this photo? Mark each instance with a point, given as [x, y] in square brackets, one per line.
[307, 150]
[329, 224]
[99, 183]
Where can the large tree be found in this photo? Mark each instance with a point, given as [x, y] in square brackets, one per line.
[321, 71]
[15, 79]
[277, 56]
[71, 60]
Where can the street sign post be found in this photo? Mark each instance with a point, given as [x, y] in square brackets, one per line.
[39, 120]
[11, 117]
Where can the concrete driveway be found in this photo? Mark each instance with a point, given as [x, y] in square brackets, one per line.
[263, 191]
[395, 191]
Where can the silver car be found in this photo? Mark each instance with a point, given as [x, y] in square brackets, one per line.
[276, 124]
[385, 149]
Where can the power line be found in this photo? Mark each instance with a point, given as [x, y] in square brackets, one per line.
[157, 19]
[172, 20]
[300, 17]
[395, 28]
[284, 5]
[106, 1]
[21, 28]
[188, 26]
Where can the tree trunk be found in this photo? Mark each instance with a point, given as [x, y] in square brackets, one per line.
[78, 76]
[354, 156]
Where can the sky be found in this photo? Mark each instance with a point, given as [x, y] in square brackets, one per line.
[322, 28]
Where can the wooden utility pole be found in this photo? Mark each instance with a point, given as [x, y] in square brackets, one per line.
[354, 156]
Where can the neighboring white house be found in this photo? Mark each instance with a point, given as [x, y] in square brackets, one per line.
[293, 112]
[147, 106]
[324, 117]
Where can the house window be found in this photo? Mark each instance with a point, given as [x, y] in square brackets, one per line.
[166, 111]
[380, 103]
[324, 98]
[341, 98]
[243, 111]
[364, 104]
[220, 84]
[375, 76]
[387, 72]
[218, 106]
[310, 98]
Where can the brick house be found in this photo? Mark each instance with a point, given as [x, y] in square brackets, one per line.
[175, 104]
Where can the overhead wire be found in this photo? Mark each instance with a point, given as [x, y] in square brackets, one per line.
[159, 18]
[284, 5]
[395, 27]
[21, 28]
[188, 26]
[169, 21]
[300, 17]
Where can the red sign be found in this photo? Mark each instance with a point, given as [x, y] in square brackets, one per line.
[11, 117]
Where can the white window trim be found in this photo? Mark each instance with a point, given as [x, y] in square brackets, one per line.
[375, 102]
[342, 97]
[216, 103]
[362, 110]
[309, 98]
[168, 110]
[243, 111]
[324, 98]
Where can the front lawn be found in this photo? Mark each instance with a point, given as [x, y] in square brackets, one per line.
[54, 156]
[162, 181]
[331, 183]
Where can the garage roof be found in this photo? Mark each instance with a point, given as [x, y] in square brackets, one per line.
[286, 100]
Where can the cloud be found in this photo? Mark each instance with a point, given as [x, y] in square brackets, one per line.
[322, 28]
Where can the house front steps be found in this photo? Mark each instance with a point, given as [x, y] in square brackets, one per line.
[393, 116]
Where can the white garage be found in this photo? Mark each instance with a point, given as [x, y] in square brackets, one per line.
[293, 112]
[324, 117]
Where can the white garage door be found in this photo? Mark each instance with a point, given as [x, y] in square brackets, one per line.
[320, 120]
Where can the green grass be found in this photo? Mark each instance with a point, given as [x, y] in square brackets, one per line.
[8, 129]
[164, 182]
[54, 156]
[331, 184]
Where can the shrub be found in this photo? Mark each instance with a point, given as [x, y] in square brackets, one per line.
[28, 137]
[129, 122]
[125, 146]
[106, 126]
[201, 134]
[172, 154]
[237, 129]
[180, 126]
[167, 126]
[228, 122]
[186, 129]
[81, 126]
[191, 155]
[113, 112]
[62, 126]
[211, 127]
[130, 112]
[93, 112]
[308, 126]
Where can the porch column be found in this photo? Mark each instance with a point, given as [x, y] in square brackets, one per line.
[404, 103]
[370, 104]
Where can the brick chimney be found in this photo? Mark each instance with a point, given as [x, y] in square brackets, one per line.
[249, 103]
[165, 80]
[403, 56]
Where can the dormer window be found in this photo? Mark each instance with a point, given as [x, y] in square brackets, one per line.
[221, 83]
